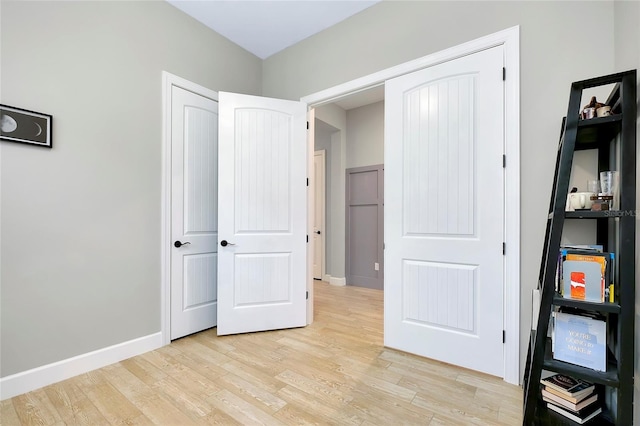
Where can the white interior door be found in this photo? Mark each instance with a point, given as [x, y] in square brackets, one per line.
[262, 267]
[318, 213]
[194, 221]
[444, 215]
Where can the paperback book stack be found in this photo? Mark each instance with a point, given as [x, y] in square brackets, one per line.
[575, 399]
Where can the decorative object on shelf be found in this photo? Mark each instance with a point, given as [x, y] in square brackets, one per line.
[601, 203]
[24, 126]
[590, 110]
[568, 204]
[581, 200]
[610, 186]
[603, 111]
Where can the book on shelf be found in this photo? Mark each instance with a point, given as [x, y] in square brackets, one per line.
[575, 397]
[558, 400]
[567, 385]
[579, 417]
[580, 340]
[585, 274]
[579, 248]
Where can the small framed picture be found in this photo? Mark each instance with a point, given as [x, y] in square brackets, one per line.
[21, 125]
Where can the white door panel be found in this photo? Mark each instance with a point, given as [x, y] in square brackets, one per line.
[262, 214]
[444, 215]
[194, 173]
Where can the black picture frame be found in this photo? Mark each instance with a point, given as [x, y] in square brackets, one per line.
[24, 126]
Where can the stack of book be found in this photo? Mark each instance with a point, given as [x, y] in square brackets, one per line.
[575, 399]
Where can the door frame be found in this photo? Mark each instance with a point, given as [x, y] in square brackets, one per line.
[510, 40]
[168, 81]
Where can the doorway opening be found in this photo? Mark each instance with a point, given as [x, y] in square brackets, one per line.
[508, 41]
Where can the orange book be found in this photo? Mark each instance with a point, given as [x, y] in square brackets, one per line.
[578, 285]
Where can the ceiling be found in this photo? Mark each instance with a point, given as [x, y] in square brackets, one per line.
[265, 27]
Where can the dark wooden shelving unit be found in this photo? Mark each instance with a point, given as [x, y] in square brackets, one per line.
[614, 139]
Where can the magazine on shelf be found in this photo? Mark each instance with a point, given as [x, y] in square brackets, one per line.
[580, 340]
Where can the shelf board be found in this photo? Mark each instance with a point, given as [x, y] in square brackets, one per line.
[608, 378]
[594, 132]
[604, 307]
[588, 214]
[549, 417]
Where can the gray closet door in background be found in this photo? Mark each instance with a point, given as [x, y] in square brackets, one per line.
[364, 226]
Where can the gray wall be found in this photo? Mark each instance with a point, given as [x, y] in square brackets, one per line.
[627, 56]
[80, 266]
[365, 135]
[552, 55]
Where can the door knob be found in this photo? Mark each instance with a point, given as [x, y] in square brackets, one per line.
[179, 244]
[318, 232]
[225, 243]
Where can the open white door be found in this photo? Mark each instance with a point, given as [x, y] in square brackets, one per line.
[262, 214]
[444, 212]
[194, 222]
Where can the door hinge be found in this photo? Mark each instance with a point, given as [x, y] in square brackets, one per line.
[307, 237]
[307, 125]
[307, 295]
[307, 181]
[504, 161]
[504, 334]
[504, 248]
[504, 76]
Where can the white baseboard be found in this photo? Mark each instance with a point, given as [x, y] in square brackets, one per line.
[338, 281]
[326, 277]
[33, 379]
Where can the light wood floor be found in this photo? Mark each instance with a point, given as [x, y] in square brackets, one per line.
[335, 371]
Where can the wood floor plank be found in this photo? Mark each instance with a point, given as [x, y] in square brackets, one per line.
[8, 415]
[335, 371]
[255, 376]
[378, 408]
[151, 403]
[292, 414]
[466, 414]
[251, 393]
[240, 410]
[144, 370]
[327, 394]
[36, 408]
[73, 406]
[328, 414]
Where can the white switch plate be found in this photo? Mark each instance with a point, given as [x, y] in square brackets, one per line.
[376, 266]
